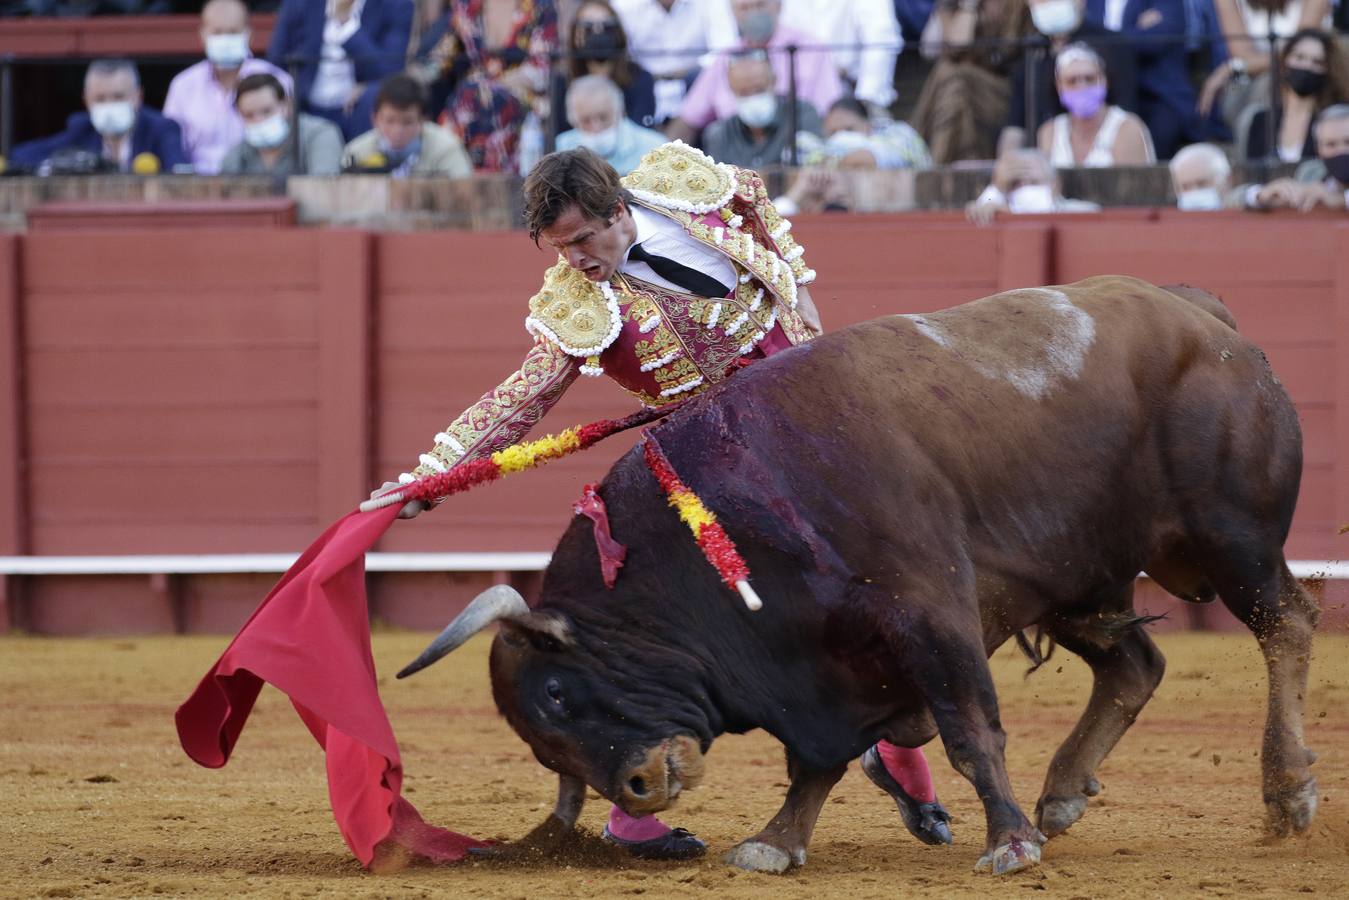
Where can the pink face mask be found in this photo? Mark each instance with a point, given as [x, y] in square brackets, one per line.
[1083, 103]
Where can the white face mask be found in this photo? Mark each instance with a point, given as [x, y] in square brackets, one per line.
[757, 110]
[268, 133]
[602, 142]
[1031, 198]
[113, 118]
[1054, 17]
[1200, 199]
[227, 51]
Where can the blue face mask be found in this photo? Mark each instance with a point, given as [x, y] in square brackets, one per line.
[400, 156]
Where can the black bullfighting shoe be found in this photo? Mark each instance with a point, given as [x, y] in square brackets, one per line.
[926, 821]
[674, 844]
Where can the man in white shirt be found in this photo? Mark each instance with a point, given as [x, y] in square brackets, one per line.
[201, 97]
[669, 38]
[865, 40]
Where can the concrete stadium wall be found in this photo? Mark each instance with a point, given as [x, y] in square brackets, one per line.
[233, 391]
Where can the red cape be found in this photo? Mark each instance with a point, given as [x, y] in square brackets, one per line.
[310, 638]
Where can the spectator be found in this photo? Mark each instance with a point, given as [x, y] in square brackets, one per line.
[201, 97]
[598, 46]
[1201, 178]
[1313, 77]
[494, 58]
[1243, 79]
[341, 49]
[116, 126]
[595, 104]
[711, 98]
[865, 41]
[759, 133]
[1024, 181]
[1060, 23]
[1091, 134]
[965, 98]
[670, 38]
[852, 141]
[268, 147]
[1323, 181]
[1161, 35]
[402, 142]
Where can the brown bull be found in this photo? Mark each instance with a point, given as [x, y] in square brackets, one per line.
[909, 493]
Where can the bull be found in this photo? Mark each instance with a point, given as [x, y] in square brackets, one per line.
[910, 493]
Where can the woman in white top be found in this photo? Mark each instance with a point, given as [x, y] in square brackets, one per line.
[1091, 134]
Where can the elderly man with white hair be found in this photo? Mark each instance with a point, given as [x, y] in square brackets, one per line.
[595, 107]
[1024, 181]
[1201, 177]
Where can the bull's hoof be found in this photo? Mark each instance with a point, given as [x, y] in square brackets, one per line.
[1291, 811]
[1054, 815]
[756, 856]
[1092, 787]
[1012, 856]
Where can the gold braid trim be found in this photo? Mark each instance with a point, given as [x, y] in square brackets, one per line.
[503, 416]
[750, 189]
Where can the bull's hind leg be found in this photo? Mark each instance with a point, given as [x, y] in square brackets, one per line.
[949, 665]
[1282, 615]
[1126, 669]
[783, 841]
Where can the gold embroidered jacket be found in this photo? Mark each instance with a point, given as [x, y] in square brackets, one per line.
[660, 345]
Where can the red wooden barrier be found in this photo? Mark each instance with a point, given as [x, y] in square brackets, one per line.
[119, 36]
[227, 390]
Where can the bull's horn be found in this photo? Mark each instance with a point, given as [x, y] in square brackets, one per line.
[497, 602]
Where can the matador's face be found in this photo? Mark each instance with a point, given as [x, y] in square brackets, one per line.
[592, 246]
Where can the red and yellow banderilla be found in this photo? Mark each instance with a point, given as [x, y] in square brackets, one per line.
[711, 538]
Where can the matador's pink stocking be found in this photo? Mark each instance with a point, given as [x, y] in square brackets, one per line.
[908, 766]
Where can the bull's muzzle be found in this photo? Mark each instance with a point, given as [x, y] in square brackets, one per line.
[664, 772]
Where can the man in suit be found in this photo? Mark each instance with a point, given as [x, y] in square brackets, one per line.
[341, 51]
[1160, 34]
[116, 126]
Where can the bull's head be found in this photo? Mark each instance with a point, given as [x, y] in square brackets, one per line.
[578, 712]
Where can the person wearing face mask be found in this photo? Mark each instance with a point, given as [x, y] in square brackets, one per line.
[268, 147]
[1314, 76]
[1320, 182]
[201, 97]
[597, 45]
[1058, 24]
[116, 126]
[1201, 177]
[595, 105]
[1024, 181]
[759, 132]
[711, 97]
[1091, 134]
[403, 143]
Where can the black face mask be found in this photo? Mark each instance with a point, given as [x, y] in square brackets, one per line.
[1338, 167]
[1305, 82]
[601, 43]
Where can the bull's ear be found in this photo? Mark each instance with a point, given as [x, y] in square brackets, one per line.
[545, 631]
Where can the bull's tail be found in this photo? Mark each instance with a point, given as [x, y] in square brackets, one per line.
[1103, 630]
[1205, 301]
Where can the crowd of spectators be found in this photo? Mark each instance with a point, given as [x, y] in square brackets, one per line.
[450, 87]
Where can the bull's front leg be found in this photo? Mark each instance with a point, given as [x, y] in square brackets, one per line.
[783, 841]
[948, 664]
[550, 835]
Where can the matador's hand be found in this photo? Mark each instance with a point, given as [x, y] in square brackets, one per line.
[410, 510]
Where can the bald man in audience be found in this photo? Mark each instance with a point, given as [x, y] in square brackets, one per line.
[201, 97]
[1201, 177]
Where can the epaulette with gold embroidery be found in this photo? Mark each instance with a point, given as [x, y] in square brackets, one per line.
[679, 177]
[576, 314]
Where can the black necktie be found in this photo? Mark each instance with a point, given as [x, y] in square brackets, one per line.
[691, 280]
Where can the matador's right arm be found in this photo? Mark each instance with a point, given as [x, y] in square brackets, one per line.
[504, 415]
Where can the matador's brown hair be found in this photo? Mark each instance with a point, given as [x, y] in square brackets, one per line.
[570, 178]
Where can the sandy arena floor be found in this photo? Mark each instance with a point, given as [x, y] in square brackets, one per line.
[100, 801]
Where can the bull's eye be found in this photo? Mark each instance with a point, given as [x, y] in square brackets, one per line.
[553, 688]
